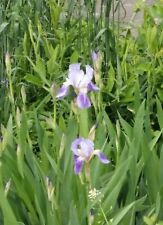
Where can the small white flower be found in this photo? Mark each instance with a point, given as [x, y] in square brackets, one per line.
[93, 194]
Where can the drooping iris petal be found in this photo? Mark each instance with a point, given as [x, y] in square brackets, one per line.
[83, 101]
[92, 87]
[76, 145]
[87, 148]
[63, 91]
[102, 157]
[78, 164]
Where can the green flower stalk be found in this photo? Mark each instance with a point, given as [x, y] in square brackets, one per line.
[97, 64]
[9, 73]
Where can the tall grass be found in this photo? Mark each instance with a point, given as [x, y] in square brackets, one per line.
[40, 39]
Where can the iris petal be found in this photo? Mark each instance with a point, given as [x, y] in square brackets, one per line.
[75, 145]
[78, 164]
[63, 91]
[75, 75]
[86, 78]
[75, 78]
[92, 87]
[83, 101]
[89, 72]
[102, 157]
[94, 56]
[87, 147]
[74, 66]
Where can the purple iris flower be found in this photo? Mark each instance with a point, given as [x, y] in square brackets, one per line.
[83, 150]
[82, 83]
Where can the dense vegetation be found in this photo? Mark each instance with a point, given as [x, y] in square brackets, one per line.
[40, 39]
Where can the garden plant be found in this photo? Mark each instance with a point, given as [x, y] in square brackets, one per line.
[81, 113]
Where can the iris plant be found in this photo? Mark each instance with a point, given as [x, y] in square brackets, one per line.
[83, 150]
[82, 84]
[95, 56]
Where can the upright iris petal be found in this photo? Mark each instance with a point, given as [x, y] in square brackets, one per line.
[87, 147]
[83, 150]
[75, 77]
[82, 83]
[74, 67]
[75, 145]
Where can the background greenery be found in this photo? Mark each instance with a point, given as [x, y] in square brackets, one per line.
[37, 182]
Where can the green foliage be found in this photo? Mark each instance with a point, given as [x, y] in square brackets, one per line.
[39, 39]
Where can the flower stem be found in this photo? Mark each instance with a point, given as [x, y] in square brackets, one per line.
[88, 174]
[54, 111]
[9, 74]
[83, 132]
[88, 187]
[103, 214]
[83, 123]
